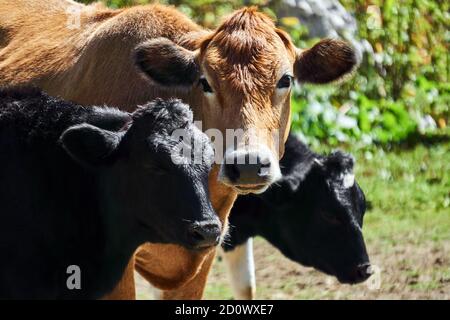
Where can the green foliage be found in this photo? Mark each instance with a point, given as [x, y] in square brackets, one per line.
[360, 120]
[405, 79]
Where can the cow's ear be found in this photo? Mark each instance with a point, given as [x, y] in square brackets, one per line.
[327, 61]
[88, 144]
[167, 63]
[108, 118]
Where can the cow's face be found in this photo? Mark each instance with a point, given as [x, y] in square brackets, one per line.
[147, 177]
[240, 78]
[320, 225]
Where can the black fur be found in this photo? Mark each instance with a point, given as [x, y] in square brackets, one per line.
[56, 212]
[37, 117]
[309, 215]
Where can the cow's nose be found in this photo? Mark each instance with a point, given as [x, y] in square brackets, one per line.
[253, 169]
[204, 234]
[361, 272]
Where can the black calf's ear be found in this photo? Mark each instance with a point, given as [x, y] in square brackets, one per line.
[167, 63]
[88, 144]
[108, 118]
[327, 61]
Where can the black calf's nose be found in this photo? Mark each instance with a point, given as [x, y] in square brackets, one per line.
[252, 171]
[362, 272]
[204, 235]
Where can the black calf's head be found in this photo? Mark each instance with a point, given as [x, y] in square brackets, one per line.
[148, 173]
[317, 217]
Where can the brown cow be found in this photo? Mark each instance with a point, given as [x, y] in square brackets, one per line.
[238, 76]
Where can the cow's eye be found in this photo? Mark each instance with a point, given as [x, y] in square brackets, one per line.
[285, 81]
[331, 218]
[205, 85]
[154, 168]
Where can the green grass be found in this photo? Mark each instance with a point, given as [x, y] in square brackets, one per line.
[409, 193]
[407, 224]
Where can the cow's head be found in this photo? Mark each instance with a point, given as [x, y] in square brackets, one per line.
[240, 77]
[317, 216]
[146, 178]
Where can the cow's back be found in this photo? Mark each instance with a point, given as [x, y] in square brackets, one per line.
[92, 64]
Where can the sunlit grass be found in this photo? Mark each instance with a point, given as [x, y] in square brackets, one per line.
[409, 193]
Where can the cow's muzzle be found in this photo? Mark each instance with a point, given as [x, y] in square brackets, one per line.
[204, 235]
[249, 171]
[359, 273]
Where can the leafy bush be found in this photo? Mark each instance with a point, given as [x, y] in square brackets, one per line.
[402, 89]
[360, 120]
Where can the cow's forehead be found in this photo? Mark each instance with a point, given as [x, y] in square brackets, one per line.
[246, 51]
[346, 198]
[256, 73]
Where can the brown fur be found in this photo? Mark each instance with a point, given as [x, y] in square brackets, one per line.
[243, 60]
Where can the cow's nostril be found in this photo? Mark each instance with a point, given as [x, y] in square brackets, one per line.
[363, 272]
[264, 169]
[204, 235]
[232, 171]
[248, 169]
[197, 236]
[265, 165]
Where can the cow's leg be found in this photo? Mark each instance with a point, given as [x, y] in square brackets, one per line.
[125, 289]
[241, 270]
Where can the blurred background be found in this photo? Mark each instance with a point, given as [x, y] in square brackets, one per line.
[393, 116]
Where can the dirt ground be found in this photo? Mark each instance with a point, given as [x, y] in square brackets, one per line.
[406, 271]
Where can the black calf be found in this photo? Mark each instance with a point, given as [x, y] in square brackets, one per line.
[86, 186]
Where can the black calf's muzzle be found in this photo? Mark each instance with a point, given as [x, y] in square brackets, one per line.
[204, 235]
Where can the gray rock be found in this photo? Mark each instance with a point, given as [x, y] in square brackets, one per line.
[325, 19]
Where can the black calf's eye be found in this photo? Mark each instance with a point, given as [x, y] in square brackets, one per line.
[205, 85]
[155, 169]
[331, 218]
[285, 81]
